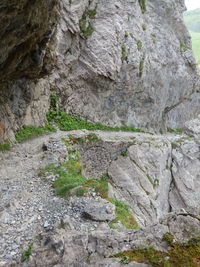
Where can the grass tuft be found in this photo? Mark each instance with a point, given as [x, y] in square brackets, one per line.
[175, 130]
[142, 4]
[123, 215]
[27, 132]
[5, 147]
[139, 45]
[26, 254]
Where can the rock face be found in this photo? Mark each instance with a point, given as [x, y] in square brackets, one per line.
[186, 174]
[110, 61]
[155, 176]
[78, 249]
[26, 54]
[144, 177]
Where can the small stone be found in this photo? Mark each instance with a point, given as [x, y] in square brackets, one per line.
[46, 224]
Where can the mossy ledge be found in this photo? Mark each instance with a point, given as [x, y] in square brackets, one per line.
[180, 254]
[67, 122]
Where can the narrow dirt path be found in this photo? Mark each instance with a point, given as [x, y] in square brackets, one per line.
[27, 203]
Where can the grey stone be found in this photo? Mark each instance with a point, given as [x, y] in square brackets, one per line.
[99, 210]
[143, 178]
[193, 127]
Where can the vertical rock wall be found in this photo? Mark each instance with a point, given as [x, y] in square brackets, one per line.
[117, 62]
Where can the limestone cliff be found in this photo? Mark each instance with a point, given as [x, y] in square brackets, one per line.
[118, 62]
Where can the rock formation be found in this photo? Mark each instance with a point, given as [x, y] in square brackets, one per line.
[156, 175]
[118, 62]
[77, 198]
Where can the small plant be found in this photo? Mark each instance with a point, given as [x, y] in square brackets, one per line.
[184, 47]
[5, 147]
[124, 53]
[63, 225]
[141, 68]
[125, 260]
[124, 153]
[80, 192]
[144, 27]
[86, 27]
[91, 137]
[123, 215]
[175, 130]
[174, 145]
[152, 181]
[100, 186]
[27, 132]
[26, 254]
[154, 41]
[92, 13]
[142, 4]
[139, 45]
[169, 238]
[126, 34]
[53, 101]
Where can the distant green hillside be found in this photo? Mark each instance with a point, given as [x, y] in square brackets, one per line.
[196, 45]
[192, 20]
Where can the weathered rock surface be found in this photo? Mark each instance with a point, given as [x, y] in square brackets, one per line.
[193, 127]
[111, 62]
[157, 175]
[99, 210]
[77, 249]
[186, 175]
[144, 177]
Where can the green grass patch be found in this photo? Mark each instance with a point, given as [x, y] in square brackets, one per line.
[124, 53]
[26, 254]
[175, 130]
[187, 254]
[92, 13]
[142, 4]
[69, 176]
[192, 20]
[139, 45]
[27, 132]
[123, 215]
[5, 147]
[68, 122]
[141, 68]
[91, 137]
[184, 47]
[124, 153]
[100, 186]
[86, 27]
[196, 45]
